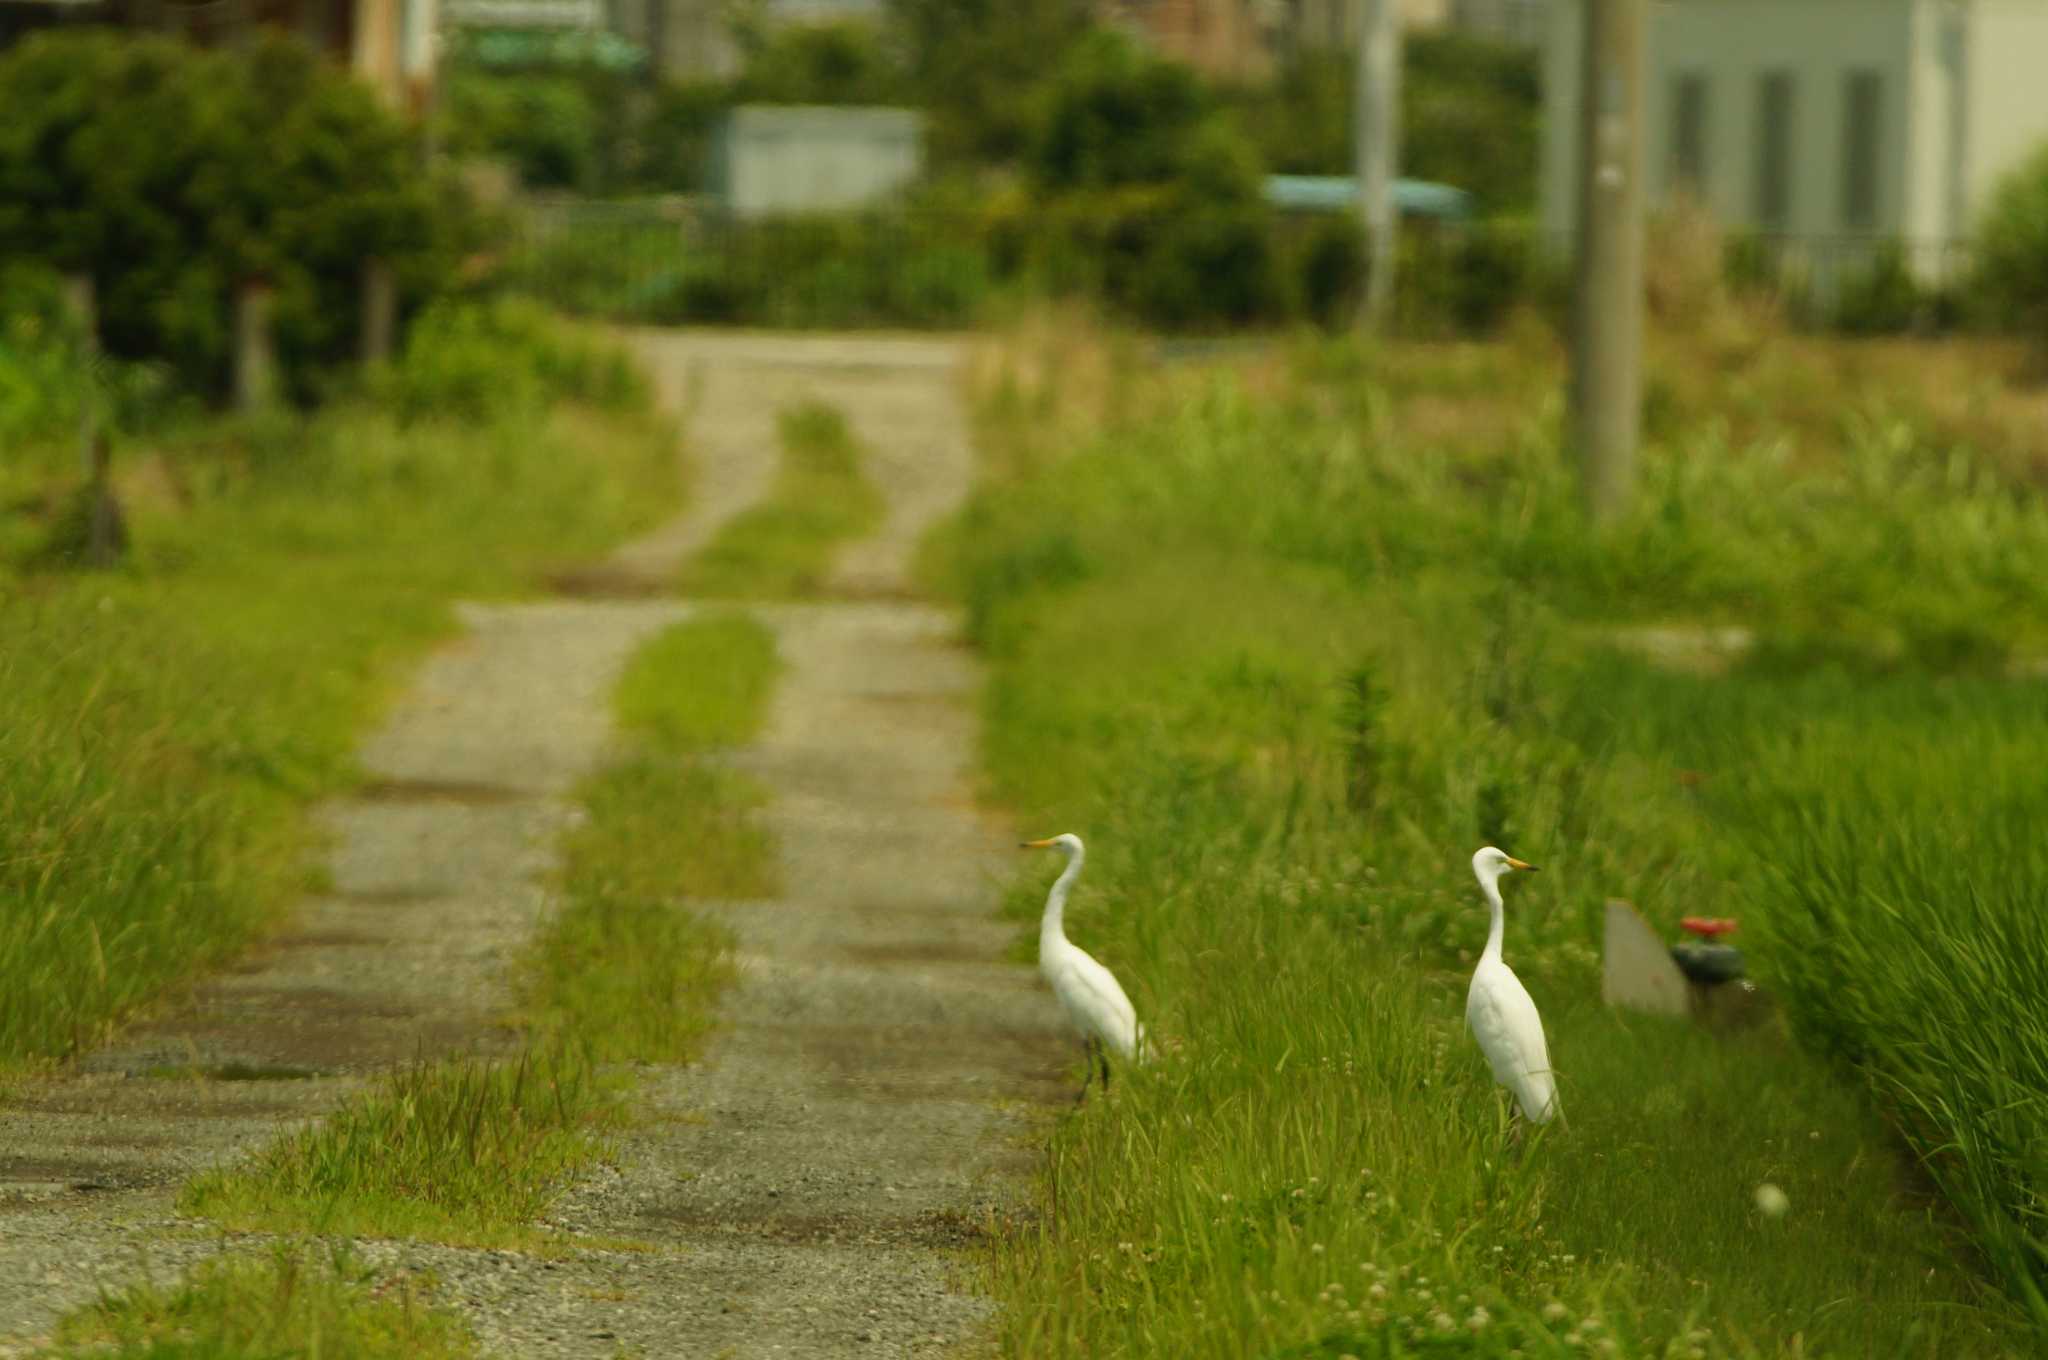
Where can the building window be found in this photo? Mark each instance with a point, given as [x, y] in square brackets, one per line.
[1689, 134]
[1862, 115]
[1774, 117]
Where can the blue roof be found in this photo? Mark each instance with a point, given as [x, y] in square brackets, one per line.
[1336, 193]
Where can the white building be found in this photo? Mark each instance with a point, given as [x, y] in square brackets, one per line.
[1819, 120]
[774, 159]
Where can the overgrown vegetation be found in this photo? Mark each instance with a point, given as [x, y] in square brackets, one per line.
[170, 721]
[783, 546]
[1185, 582]
[467, 1151]
[623, 969]
[297, 1302]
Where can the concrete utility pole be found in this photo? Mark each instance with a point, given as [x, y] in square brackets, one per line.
[1376, 139]
[1607, 330]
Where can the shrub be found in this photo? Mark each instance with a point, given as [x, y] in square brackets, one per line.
[2012, 248]
[546, 126]
[506, 358]
[1882, 297]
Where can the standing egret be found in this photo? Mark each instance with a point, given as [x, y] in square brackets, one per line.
[1499, 1012]
[1089, 992]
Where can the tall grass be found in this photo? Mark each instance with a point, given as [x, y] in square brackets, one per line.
[168, 722]
[468, 1151]
[784, 546]
[1286, 659]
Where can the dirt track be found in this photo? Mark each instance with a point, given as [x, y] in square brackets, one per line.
[864, 1108]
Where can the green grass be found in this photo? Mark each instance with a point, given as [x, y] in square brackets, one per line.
[290, 1304]
[623, 968]
[1286, 663]
[783, 547]
[168, 723]
[469, 1152]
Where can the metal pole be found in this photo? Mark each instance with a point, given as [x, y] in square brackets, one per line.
[1607, 334]
[1376, 106]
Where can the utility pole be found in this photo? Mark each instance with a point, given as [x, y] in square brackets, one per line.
[1607, 329]
[1376, 139]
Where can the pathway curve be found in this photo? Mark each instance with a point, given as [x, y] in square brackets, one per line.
[864, 1107]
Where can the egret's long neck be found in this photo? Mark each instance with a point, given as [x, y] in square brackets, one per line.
[1052, 930]
[1491, 887]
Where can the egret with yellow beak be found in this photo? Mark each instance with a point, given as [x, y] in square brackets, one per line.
[1088, 992]
[1499, 1012]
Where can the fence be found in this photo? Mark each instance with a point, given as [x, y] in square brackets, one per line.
[681, 261]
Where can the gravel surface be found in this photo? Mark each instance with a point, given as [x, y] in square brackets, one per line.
[807, 1188]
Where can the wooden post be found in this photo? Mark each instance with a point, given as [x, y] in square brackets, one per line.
[80, 300]
[1607, 331]
[380, 311]
[255, 356]
[1376, 106]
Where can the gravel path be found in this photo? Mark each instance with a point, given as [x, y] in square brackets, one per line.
[801, 1191]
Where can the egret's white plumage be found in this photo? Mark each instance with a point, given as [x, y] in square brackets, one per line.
[1499, 1012]
[1088, 992]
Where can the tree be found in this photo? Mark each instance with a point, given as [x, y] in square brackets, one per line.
[977, 65]
[172, 174]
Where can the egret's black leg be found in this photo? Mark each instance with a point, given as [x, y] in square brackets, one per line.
[1102, 1056]
[1087, 1072]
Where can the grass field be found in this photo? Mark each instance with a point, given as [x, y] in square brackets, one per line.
[1288, 639]
[169, 721]
[783, 546]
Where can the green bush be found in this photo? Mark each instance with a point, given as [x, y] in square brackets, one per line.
[172, 175]
[1882, 297]
[505, 358]
[2012, 248]
[545, 125]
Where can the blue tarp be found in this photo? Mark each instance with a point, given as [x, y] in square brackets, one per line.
[1337, 193]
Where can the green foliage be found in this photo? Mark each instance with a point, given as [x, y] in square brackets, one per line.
[545, 125]
[978, 68]
[1205, 624]
[783, 546]
[468, 1151]
[294, 1302]
[840, 62]
[1116, 115]
[1470, 109]
[173, 174]
[504, 359]
[169, 723]
[2012, 247]
[1882, 297]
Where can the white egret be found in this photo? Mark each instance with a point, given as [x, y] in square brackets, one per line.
[1089, 993]
[1499, 1012]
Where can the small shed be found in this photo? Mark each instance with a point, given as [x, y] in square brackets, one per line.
[778, 159]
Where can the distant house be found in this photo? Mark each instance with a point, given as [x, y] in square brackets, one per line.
[770, 160]
[388, 43]
[1819, 121]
